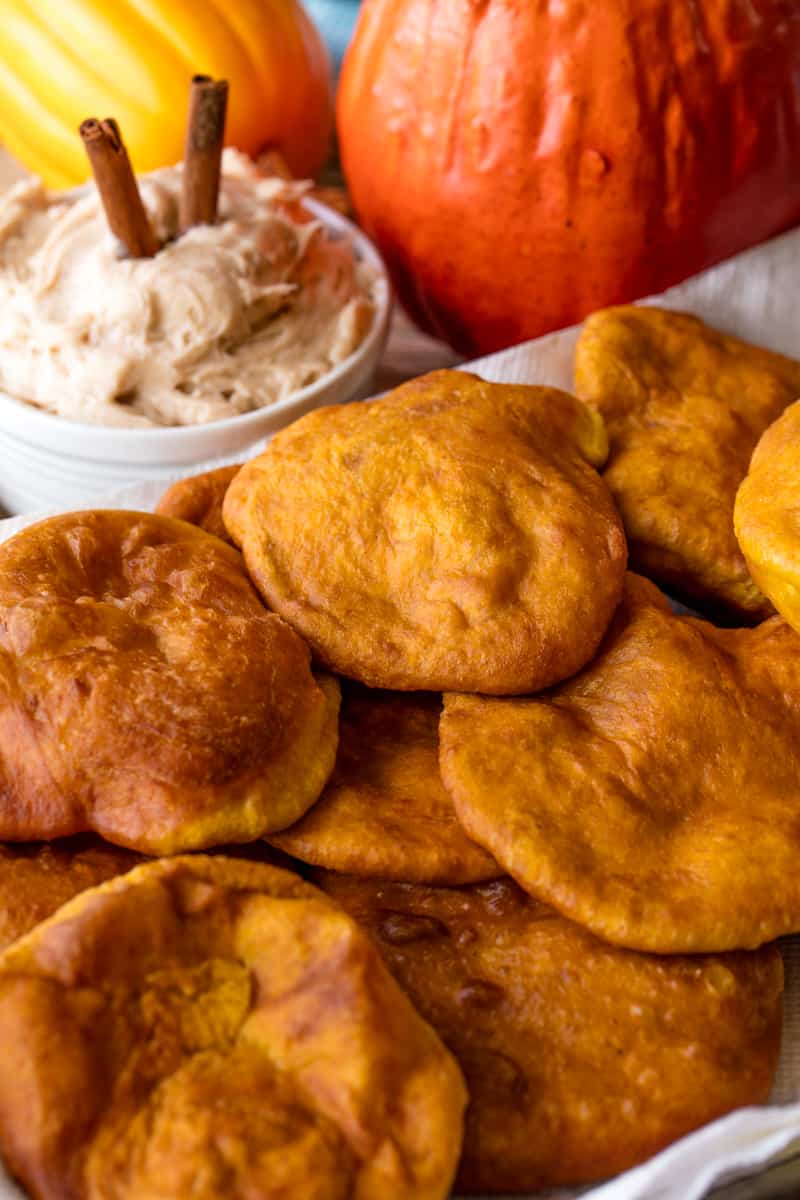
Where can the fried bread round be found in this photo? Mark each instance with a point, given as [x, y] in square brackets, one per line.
[37, 878]
[384, 812]
[684, 406]
[766, 515]
[145, 692]
[199, 498]
[580, 1058]
[654, 797]
[213, 1027]
[452, 535]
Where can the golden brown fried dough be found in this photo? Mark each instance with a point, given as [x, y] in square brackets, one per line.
[684, 406]
[146, 694]
[767, 515]
[384, 812]
[451, 535]
[37, 878]
[581, 1059]
[655, 798]
[210, 1027]
[199, 498]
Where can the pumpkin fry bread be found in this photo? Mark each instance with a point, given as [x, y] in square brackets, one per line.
[684, 406]
[767, 515]
[452, 535]
[37, 878]
[581, 1059]
[384, 812]
[654, 797]
[145, 692]
[198, 500]
[210, 1027]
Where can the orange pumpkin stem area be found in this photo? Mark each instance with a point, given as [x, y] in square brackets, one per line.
[117, 186]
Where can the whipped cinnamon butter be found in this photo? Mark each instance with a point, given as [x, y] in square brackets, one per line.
[224, 319]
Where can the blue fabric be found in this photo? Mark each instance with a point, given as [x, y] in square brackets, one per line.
[335, 20]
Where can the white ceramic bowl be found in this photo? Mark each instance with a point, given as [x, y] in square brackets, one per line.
[48, 462]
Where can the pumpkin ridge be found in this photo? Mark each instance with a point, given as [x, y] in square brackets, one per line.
[454, 114]
[228, 13]
[133, 61]
[85, 65]
[165, 30]
[294, 34]
[35, 115]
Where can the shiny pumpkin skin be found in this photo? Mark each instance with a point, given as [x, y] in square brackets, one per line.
[64, 60]
[522, 163]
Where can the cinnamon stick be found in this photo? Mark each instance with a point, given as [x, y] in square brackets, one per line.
[117, 186]
[205, 134]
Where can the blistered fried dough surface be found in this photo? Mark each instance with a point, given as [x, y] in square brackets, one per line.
[199, 498]
[684, 406]
[145, 692]
[451, 535]
[384, 812]
[37, 878]
[655, 797]
[208, 1027]
[767, 515]
[581, 1059]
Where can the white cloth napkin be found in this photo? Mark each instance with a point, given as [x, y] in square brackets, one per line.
[752, 295]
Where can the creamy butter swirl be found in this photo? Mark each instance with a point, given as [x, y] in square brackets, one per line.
[227, 318]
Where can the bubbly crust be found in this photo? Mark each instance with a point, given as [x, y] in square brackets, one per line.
[36, 879]
[198, 500]
[766, 515]
[684, 406]
[452, 535]
[212, 1027]
[654, 797]
[146, 694]
[581, 1059]
[384, 812]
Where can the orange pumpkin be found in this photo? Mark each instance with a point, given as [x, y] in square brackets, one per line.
[63, 60]
[521, 162]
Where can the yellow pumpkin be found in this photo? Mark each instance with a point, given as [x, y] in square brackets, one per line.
[64, 60]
